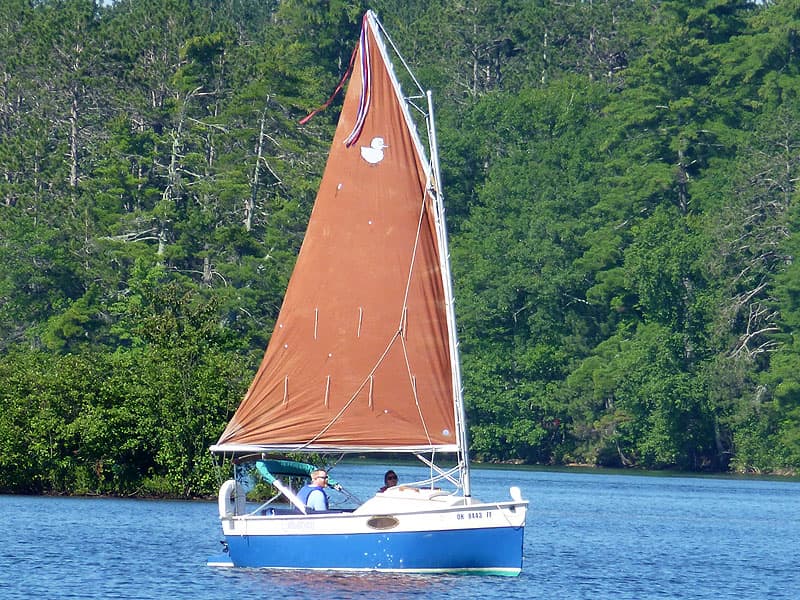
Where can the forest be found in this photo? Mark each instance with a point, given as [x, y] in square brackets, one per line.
[621, 181]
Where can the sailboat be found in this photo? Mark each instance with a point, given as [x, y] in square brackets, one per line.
[363, 360]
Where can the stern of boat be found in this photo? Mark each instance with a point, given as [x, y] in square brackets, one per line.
[232, 499]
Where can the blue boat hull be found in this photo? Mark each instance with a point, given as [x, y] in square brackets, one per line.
[495, 551]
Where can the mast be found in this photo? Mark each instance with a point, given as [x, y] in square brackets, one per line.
[435, 191]
[447, 282]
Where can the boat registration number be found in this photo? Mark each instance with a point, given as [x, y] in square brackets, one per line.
[474, 515]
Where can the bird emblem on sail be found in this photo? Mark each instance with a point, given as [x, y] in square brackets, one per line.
[373, 153]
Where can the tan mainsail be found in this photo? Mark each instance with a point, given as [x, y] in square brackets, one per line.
[360, 357]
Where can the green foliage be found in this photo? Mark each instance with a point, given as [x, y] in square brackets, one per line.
[621, 189]
[650, 412]
[117, 422]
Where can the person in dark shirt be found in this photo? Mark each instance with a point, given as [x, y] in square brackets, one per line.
[389, 480]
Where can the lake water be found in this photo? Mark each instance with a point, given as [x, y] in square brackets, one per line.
[592, 536]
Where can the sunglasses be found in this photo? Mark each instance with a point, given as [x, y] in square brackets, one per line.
[322, 476]
[391, 477]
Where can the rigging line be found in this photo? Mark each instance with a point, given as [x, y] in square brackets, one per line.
[400, 56]
[355, 394]
[414, 253]
[338, 89]
[398, 333]
[414, 388]
[448, 474]
[420, 220]
[366, 87]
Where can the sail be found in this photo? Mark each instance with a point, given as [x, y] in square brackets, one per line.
[359, 358]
